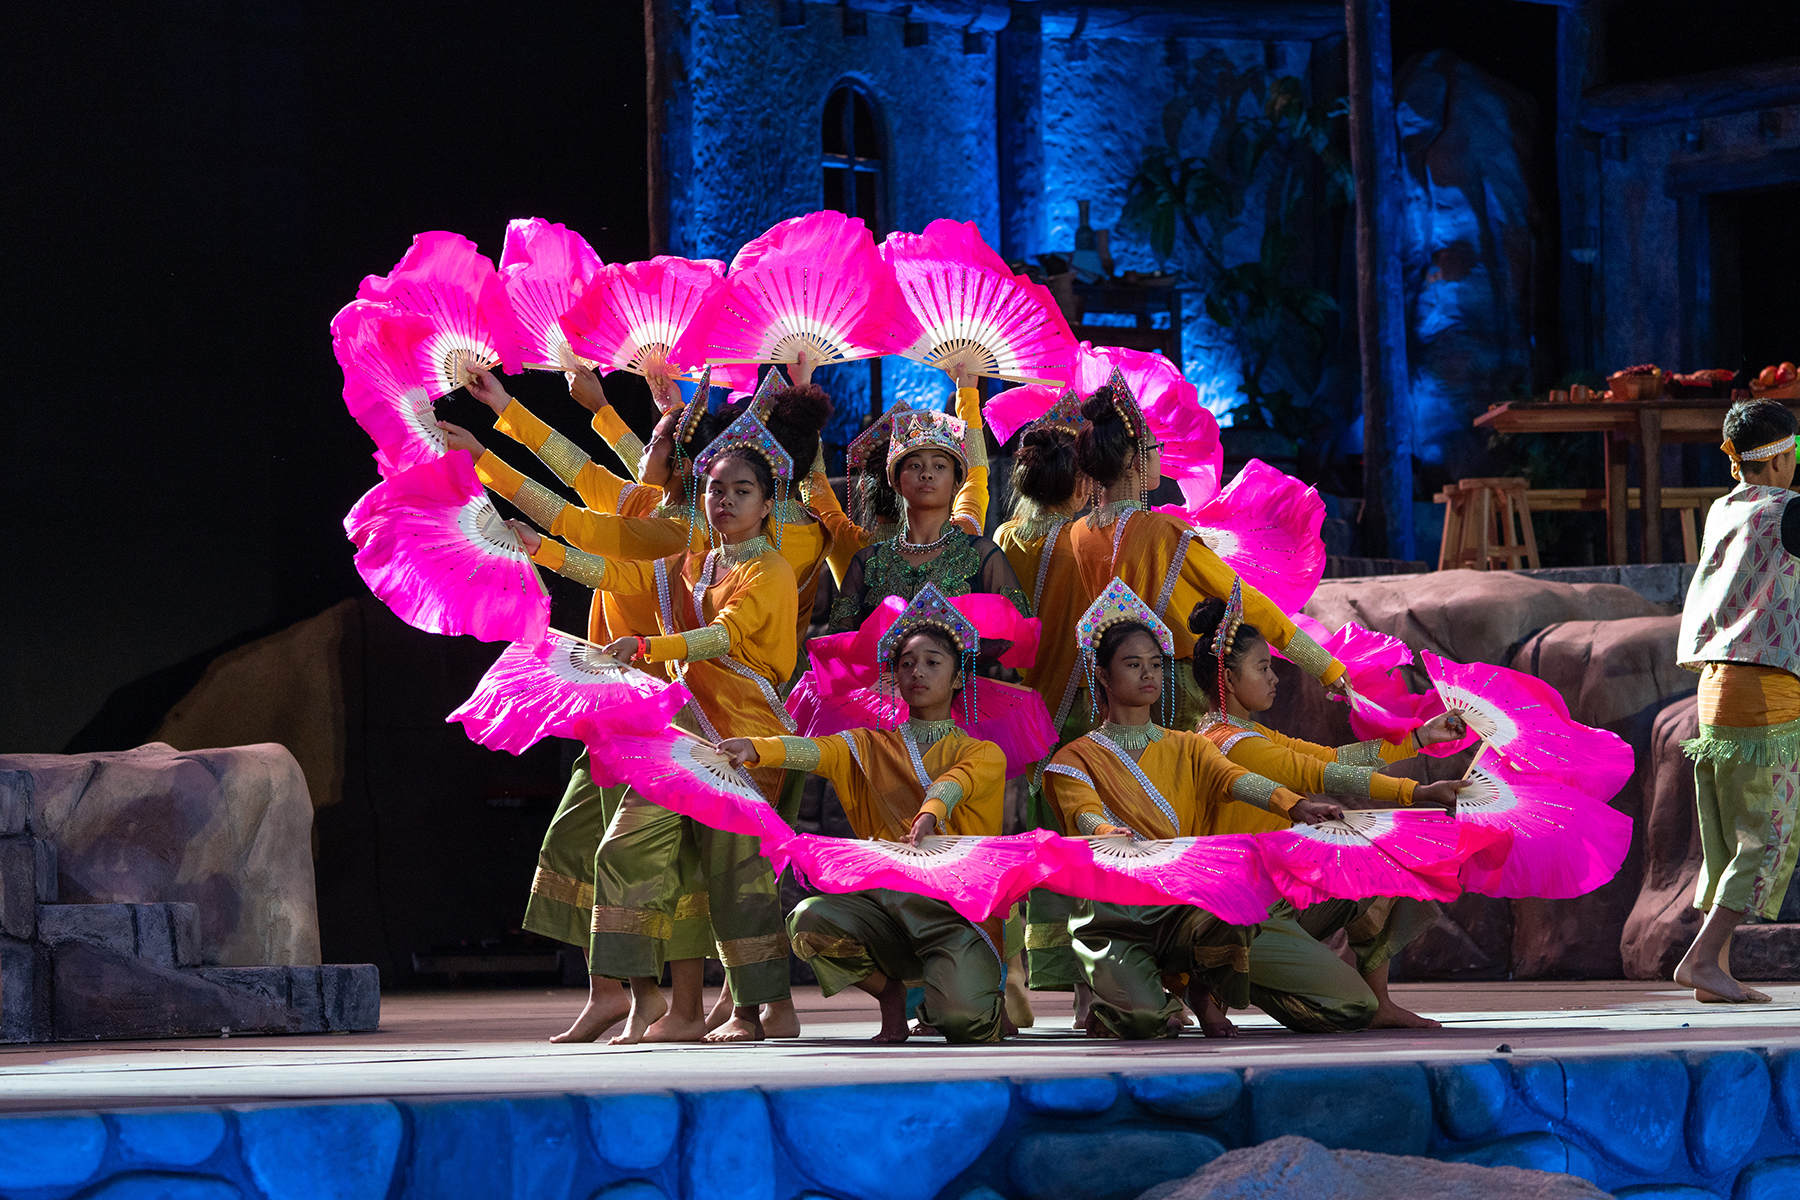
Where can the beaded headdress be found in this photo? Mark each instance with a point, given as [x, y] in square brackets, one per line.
[1136, 424]
[763, 402]
[930, 609]
[1229, 624]
[1065, 412]
[1116, 604]
[927, 431]
[746, 433]
[857, 454]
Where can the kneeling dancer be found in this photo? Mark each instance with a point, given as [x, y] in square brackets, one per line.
[1134, 778]
[899, 785]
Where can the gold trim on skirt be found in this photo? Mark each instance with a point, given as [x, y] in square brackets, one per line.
[643, 921]
[562, 889]
[741, 952]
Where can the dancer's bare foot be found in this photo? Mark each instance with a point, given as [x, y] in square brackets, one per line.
[780, 1019]
[1007, 1028]
[607, 1005]
[892, 998]
[1213, 1021]
[1084, 1002]
[1093, 1028]
[1389, 1015]
[721, 1009]
[1713, 985]
[921, 1029]
[745, 1026]
[672, 1027]
[1018, 999]
[647, 1009]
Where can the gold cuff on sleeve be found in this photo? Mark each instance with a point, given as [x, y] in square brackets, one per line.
[630, 449]
[1088, 822]
[802, 753]
[946, 792]
[1343, 780]
[1048, 935]
[1361, 754]
[539, 504]
[1307, 654]
[1255, 790]
[586, 569]
[563, 457]
[712, 641]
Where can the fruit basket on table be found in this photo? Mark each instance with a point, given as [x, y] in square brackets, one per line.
[1777, 383]
[1643, 382]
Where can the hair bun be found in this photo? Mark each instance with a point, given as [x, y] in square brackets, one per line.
[1203, 622]
[1098, 408]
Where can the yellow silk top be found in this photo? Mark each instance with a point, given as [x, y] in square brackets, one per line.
[881, 792]
[1197, 783]
[1309, 767]
[1172, 570]
[969, 509]
[1059, 596]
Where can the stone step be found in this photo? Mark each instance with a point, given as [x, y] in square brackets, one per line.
[165, 934]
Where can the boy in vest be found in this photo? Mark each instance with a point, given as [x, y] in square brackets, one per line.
[1740, 630]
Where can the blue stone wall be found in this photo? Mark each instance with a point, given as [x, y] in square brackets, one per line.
[1720, 1122]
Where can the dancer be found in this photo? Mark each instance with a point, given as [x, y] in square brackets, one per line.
[1293, 976]
[1738, 630]
[727, 621]
[898, 785]
[1132, 777]
[1159, 557]
[1036, 541]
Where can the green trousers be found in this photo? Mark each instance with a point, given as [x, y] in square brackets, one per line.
[917, 940]
[561, 904]
[1125, 950]
[1050, 964]
[1747, 843]
[1301, 982]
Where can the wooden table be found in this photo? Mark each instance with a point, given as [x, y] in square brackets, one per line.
[1649, 423]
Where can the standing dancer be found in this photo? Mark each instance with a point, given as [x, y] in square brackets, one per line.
[1740, 631]
[1293, 976]
[1160, 558]
[1132, 777]
[898, 785]
[727, 622]
[1036, 541]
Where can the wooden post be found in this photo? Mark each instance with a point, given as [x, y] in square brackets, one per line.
[1578, 65]
[1380, 300]
[1618, 499]
[1650, 491]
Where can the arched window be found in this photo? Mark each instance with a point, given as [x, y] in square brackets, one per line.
[854, 152]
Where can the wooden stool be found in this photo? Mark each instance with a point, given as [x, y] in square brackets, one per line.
[1479, 532]
[1690, 505]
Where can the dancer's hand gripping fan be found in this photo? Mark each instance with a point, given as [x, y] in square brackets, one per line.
[980, 877]
[1265, 525]
[543, 268]
[567, 687]
[1564, 843]
[443, 279]
[686, 775]
[629, 315]
[1376, 852]
[974, 315]
[1222, 874]
[385, 390]
[1381, 705]
[432, 547]
[812, 286]
[1524, 720]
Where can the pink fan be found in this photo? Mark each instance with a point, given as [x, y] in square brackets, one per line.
[432, 546]
[980, 877]
[1010, 716]
[814, 284]
[686, 775]
[564, 687]
[1524, 720]
[543, 268]
[443, 279]
[1191, 452]
[1221, 874]
[1265, 525]
[384, 386]
[1015, 408]
[629, 315]
[1371, 852]
[1564, 843]
[1381, 706]
[973, 313]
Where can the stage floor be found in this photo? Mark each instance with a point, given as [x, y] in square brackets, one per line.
[494, 1042]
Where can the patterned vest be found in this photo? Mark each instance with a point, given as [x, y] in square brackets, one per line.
[1744, 603]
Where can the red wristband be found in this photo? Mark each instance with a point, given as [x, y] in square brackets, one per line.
[643, 646]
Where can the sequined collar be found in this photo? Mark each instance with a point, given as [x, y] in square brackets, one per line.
[1131, 737]
[1220, 718]
[1107, 513]
[926, 734]
[743, 552]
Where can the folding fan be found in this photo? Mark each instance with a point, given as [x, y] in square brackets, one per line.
[980, 877]
[974, 314]
[1015, 408]
[566, 687]
[812, 284]
[432, 546]
[1012, 717]
[1371, 852]
[1265, 525]
[543, 268]
[1222, 874]
[1381, 705]
[628, 315]
[384, 385]
[443, 279]
[1564, 843]
[1189, 433]
[1524, 720]
[684, 774]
